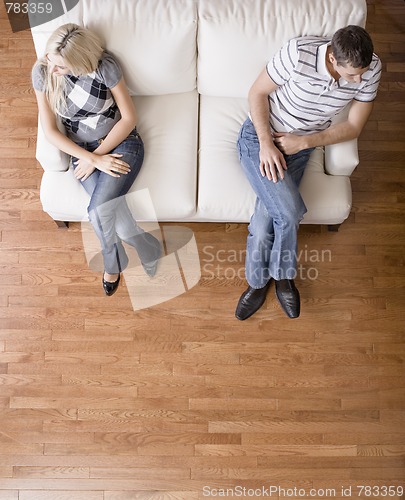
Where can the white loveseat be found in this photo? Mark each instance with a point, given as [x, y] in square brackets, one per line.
[189, 65]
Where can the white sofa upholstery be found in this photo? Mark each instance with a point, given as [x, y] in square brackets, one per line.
[189, 65]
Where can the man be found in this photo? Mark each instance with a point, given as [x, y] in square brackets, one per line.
[292, 103]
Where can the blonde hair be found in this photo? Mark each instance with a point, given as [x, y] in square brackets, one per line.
[81, 51]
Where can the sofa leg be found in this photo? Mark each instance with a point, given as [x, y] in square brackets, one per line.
[62, 224]
[333, 227]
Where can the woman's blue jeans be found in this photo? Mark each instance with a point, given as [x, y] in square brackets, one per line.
[271, 250]
[108, 211]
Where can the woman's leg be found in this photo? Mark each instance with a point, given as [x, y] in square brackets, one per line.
[109, 213]
[101, 212]
[147, 246]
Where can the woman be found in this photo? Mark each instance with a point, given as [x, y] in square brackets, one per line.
[83, 84]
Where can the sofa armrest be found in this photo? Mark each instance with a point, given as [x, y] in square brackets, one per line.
[342, 158]
[49, 156]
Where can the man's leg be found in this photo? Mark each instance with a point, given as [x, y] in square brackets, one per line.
[274, 225]
[258, 247]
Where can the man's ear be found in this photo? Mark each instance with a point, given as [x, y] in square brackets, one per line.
[332, 58]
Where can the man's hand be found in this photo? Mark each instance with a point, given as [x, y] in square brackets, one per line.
[289, 143]
[272, 162]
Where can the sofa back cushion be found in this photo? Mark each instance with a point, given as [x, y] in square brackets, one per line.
[236, 38]
[155, 40]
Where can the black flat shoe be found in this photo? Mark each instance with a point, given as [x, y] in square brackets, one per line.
[251, 301]
[110, 287]
[288, 297]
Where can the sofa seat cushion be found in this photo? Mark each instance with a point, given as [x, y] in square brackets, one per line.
[168, 127]
[224, 194]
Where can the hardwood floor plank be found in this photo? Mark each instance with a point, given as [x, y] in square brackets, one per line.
[77, 402]
[276, 427]
[275, 450]
[131, 472]
[60, 495]
[51, 472]
[9, 495]
[369, 438]
[126, 461]
[150, 495]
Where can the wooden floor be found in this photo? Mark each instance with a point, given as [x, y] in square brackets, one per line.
[182, 401]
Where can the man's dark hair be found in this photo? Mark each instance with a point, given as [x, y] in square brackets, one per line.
[352, 45]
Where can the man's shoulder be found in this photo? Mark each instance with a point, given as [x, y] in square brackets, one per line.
[305, 42]
[376, 64]
[301, 47]
[309, 52]
[306, 48]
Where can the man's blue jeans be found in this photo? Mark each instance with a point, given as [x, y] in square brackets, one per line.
[109, 213]
[272, 241]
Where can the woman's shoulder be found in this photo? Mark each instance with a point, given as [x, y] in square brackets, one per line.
[109, 69]
[38, 76]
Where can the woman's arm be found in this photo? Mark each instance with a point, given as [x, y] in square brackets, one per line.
[54, 135]
[110, 164]
[117, 134]
[126, 123]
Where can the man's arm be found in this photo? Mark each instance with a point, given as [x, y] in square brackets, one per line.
[350, 129]
[272, 162]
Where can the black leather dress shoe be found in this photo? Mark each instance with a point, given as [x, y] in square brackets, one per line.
[250, 301]
[110, 287]
[288, 297]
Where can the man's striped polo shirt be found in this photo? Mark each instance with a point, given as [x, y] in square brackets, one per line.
[308, 96]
